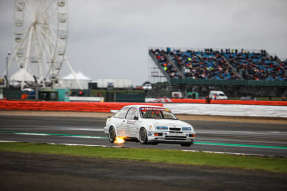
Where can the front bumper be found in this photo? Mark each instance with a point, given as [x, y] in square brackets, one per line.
[171, 137]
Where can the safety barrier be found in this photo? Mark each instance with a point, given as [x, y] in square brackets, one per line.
[236, 102]
[250, 102]
[66, 106]
[108, 106]
[187, 100]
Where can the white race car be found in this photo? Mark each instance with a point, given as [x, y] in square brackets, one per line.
[149, 124]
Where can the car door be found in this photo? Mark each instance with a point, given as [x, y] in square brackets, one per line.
[123, 128]
[132, 122]
[120, 121]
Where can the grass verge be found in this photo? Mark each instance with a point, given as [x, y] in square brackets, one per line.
[154, 155]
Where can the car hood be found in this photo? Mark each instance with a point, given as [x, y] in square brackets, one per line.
[168, 123]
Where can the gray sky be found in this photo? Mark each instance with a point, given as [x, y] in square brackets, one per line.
[111, 38]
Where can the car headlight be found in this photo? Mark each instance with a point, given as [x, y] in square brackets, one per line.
[162, 128]
[186, 128]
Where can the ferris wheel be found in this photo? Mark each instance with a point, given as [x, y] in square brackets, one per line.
[41, 33]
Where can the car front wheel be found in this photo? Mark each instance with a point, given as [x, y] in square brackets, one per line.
[112, 135]
[187, 144]
[143, 136]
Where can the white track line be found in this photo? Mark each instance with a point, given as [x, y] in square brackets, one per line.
[67, 144]
[84, 129]
[230, 153]
[36, 134]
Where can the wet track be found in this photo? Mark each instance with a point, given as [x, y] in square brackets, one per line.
[234, 137]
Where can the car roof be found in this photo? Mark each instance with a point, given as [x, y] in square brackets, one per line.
[138, 106]
[213, 91]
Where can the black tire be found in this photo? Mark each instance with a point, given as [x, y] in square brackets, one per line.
[143, 136]
[112, 135]
[187, 144]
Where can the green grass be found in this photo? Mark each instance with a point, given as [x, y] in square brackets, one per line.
[154, 155]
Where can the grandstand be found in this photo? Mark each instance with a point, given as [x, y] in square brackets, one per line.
[240, 72]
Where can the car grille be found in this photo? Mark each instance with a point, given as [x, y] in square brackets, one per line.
[175, 138]
[174, 129]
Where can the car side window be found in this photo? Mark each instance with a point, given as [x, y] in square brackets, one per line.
[131, 114]
[122, 113]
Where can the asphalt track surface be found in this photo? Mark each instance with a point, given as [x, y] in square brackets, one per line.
[268, 139]
[20, 171]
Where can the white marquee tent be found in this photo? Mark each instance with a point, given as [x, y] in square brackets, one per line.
[21, 75]
[76, 81]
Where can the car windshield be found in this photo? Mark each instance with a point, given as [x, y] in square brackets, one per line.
[156, 113]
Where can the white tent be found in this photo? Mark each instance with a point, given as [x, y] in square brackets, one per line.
[70, 81]
[22, 75]
[116, 83]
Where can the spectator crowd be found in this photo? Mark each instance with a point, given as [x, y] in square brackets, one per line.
[223, 64]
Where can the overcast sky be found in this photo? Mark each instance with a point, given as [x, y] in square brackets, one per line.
[111, 38]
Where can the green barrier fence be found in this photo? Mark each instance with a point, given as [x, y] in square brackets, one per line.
[229, 82]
